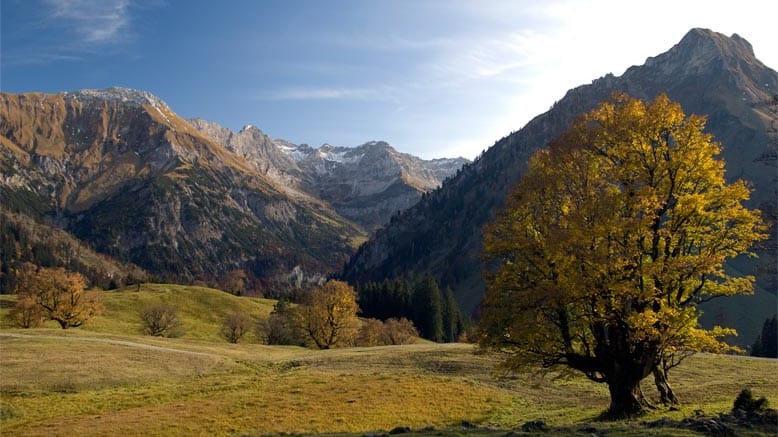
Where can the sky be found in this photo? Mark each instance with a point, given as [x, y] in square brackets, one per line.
[437, 78]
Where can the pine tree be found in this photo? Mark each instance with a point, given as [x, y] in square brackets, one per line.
[766, 344]
[428, 309]
[451, 317]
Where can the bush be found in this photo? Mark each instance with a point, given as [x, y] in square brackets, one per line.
[160, 321]
[745, 401]
[371, 333]
[399, 331]
[235, 325]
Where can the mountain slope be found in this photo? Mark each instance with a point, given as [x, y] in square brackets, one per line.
[124, 173]
[708, 73]
[366, 184]
[24, 239]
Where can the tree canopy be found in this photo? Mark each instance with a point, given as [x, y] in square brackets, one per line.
[608, 243]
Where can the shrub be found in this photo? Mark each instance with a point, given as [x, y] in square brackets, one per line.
[399, 331]
[745, 401]
[371, 333]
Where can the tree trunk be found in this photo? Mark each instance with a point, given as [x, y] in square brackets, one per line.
[666, 394]
[627, 398]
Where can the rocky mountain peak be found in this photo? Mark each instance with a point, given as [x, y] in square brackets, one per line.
[376, 145]
[703, 50]
[118, 94]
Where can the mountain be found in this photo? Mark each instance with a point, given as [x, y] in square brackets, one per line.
[706, 72]
[123, 173]
[366, 184]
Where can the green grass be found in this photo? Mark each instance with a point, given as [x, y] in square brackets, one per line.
[105, 379]
[200, 309]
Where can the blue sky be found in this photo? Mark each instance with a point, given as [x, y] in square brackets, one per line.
[433, 78]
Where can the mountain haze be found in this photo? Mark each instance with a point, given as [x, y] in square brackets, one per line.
[706, 72]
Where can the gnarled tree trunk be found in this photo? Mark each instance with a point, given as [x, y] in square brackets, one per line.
[627, 400]
[666, 394]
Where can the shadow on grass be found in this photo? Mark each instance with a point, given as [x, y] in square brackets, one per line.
[699, 426]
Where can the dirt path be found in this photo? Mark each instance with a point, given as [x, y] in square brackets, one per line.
[109, 341]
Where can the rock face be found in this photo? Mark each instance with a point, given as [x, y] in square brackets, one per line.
[122, 172]
[259, 150]
[366, 184]
[371, 182]
[708, 73]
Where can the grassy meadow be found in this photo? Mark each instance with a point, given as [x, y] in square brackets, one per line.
[106, 379]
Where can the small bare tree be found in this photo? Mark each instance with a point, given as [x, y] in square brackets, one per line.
[160, 321]
[235, 325]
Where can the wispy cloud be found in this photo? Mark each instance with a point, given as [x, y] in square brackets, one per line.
[322, 93]
[70, 30]
[486, 57]
[93, 22]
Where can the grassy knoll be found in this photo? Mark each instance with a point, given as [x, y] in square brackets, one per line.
[200, 309]
[107, 380]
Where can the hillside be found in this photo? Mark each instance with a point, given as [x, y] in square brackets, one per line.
[25, 239]
[708, 73]
[200, 310]
[122, 172]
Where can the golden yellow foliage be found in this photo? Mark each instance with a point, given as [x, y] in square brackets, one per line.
[329, 318]
[610, 240]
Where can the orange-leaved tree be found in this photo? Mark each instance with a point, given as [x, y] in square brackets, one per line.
[609, 242]
[61, 295]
